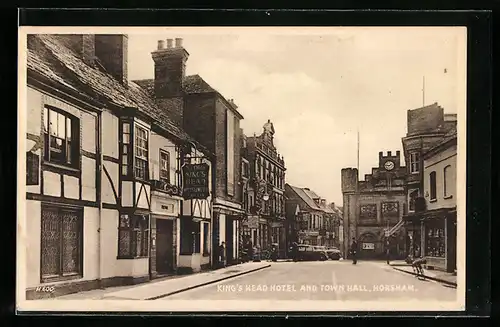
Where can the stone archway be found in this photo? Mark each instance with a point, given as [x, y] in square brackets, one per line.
[370, 246]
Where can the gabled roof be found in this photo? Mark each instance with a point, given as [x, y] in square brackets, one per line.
[50, 57]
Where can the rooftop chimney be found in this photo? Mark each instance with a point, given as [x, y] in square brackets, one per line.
[161, 44]
[112, 51]
[82, 44]
[170, 71]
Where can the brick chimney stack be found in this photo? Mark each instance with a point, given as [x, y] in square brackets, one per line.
[112, 51]
[170, 68]
[170, 71]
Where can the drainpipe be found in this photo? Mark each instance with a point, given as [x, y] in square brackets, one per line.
[99, 195]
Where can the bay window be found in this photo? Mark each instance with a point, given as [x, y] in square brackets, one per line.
[134, 148]
[141, 153]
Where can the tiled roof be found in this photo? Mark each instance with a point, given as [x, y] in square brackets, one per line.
[302, 194]
[48, 56]
[450, 135]
[311, 194]
[191, 84]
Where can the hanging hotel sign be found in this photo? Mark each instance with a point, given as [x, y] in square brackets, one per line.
[195, 181]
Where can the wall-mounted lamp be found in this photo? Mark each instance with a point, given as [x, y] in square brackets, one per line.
[30, 144]
[265, 197]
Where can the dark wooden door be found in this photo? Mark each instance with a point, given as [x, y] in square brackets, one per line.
[164, 245]
[229, 239]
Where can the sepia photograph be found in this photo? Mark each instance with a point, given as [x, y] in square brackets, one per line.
[174, 169]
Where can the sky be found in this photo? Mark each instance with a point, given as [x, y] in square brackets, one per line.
[319, 86]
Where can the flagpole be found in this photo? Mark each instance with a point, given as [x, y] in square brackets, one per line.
[357, 161]
[423, 91]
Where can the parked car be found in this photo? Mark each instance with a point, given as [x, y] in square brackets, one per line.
[309, 253]
[334, 253]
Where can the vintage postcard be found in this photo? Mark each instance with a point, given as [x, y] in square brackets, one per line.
[241, 169]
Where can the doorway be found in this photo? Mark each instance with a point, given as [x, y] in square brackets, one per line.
[164, 246]
[229, 239]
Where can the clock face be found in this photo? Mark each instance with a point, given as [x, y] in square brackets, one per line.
[389, 165]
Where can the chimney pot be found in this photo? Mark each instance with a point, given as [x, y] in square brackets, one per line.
[161, 44]
[169, 43]
[178, 43]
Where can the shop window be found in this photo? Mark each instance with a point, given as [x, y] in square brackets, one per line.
[435, 242]
[164, 166]
[432, 185]
[206, 239]
[133, 236]
[61, 137]
[61, 243]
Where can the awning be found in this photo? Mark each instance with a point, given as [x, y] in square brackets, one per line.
[438, 214]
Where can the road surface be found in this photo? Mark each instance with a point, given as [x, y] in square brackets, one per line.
[329, 280]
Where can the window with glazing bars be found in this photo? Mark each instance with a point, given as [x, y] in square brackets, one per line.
[133, 236]
[126, 148]
[61, 131]
[141, 153]
[164, 166]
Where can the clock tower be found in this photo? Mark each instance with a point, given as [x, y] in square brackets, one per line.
[389, 162]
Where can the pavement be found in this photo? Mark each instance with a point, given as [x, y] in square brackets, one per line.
[439, 276]
[326, 280]
[152, 291]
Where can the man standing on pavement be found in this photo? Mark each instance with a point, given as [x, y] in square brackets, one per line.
[354, 250]
[222, 254]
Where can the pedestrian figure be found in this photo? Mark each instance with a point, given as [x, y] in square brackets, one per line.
[222, 254]
[249, 250]
[387, 252]
[354, 250]
[295, 251]
[417, 263]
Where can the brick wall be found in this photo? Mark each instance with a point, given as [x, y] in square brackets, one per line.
[349, 178]
[112, 51]
[220, 150]
[425, 119]
[199, 118]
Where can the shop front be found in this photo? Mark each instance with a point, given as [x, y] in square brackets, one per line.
[439, 239]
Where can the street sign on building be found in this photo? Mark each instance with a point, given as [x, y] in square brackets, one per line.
[195, 181]
[368, 246]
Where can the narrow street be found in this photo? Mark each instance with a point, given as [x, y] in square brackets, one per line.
[329, 280]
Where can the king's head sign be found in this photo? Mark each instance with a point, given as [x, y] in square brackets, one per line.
[195, 181]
